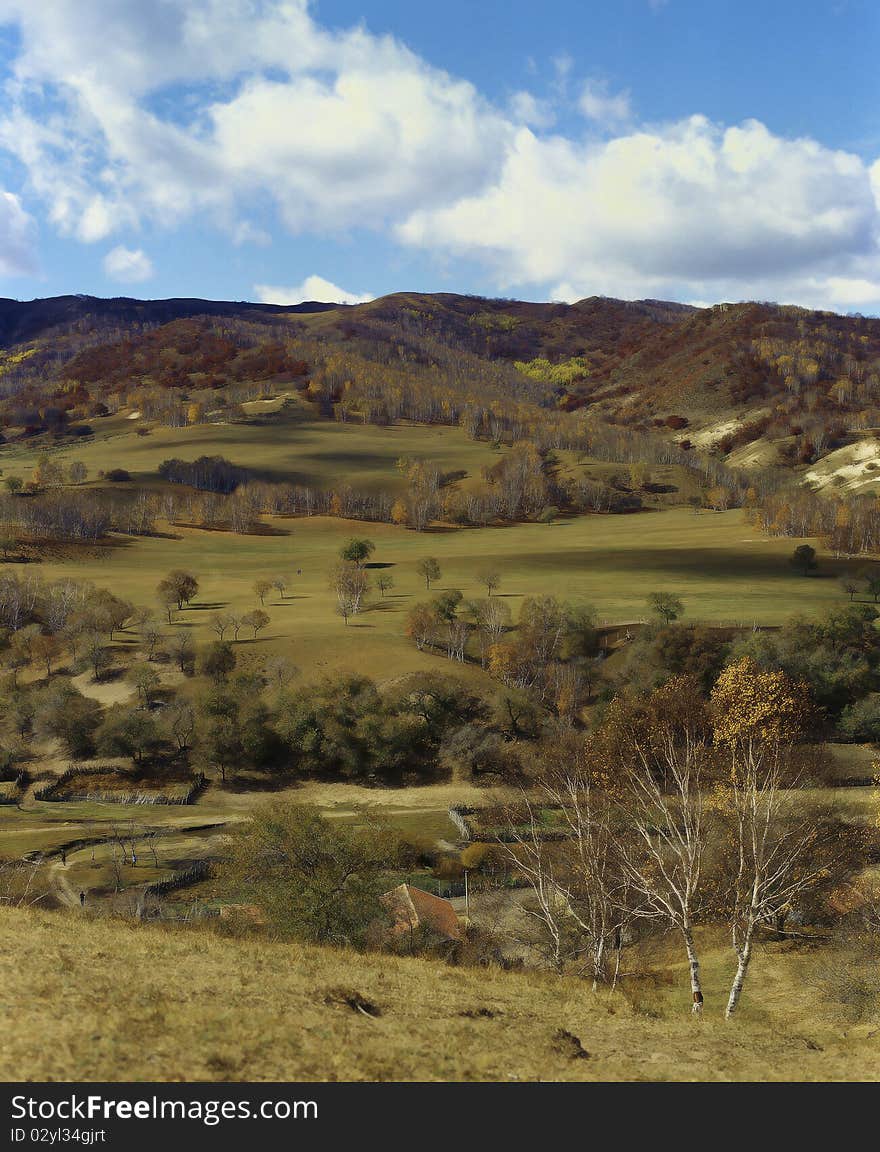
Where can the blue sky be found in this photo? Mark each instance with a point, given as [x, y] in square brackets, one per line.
[270, 149]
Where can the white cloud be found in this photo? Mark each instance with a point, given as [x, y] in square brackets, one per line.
[17, 238]
[204, 103]
[244, 232]
[687, 209]
[849, 291]
[312, 288]
[526, 108]
[209, 109]
[128, 265]
[597, 103]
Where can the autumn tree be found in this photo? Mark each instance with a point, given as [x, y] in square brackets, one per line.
[256, 620]
[849, 585]
[183, 650]
[803, 559]
[872, 582]
[492, 619]
[580, 890]
[399, 513]
[97, 654]
[657, 749]
[279, 671]
[145, 681]
[429, 569]
[423, 625]
[758, 716]
[262, 588]
[490, 578]
[77, 472]
[666, 605]
[350, 584]
[47, 473]
[179, 587]
[179, 719]
[45, 650]
[219, 623]
[128, 732]
[151, 637]
[168, 599]
[357, 551]
[218, 660]
[384, 582]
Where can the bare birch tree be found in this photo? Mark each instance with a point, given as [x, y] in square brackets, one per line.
[579, 887]
[658, 749]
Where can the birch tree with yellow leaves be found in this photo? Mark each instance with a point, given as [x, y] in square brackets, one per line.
[758, 718]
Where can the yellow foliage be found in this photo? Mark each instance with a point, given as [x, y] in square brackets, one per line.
[399, 513]
[749, 703]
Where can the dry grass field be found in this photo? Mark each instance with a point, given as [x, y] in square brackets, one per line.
[112, 1001]
[722, 568]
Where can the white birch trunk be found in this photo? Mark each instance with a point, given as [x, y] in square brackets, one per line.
[742, 967]
[694, 965]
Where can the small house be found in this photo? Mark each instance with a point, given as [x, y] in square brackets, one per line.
[411, 908]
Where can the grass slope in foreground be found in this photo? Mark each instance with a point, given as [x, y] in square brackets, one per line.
[106, 1001]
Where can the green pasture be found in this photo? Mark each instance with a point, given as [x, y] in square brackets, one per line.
[723, 569]
[291, 446]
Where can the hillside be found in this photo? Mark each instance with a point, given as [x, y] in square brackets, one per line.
[146, 1003]
[23, 320]
[762, 385]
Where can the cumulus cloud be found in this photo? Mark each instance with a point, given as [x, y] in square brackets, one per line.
[204, 103]
[726, 212]
[312, 288]
[214, 108]
[128, 265]
[17, 238]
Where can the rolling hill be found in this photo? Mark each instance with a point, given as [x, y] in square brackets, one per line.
[761, 384]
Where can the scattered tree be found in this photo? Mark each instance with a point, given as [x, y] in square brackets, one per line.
[218, 661]
[262, 588]
[490, 578]
[429, 569]
[257, 620]
[384, 582]
[357, 551]
[803, 559]
[666, 605]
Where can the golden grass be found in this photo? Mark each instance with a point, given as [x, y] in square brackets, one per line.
[91, 1000]
[723, 569]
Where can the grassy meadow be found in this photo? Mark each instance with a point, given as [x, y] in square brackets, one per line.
[287, 444]
[177, 1006]
[194, 1005]
[723, 569]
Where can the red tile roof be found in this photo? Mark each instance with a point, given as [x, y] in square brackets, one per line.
[410, 907]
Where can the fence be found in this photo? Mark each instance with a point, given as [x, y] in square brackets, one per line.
[201, 870]
[55, 790]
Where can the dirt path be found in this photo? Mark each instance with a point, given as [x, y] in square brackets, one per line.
[61, 885]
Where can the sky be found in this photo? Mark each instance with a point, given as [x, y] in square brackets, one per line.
[280, 150]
